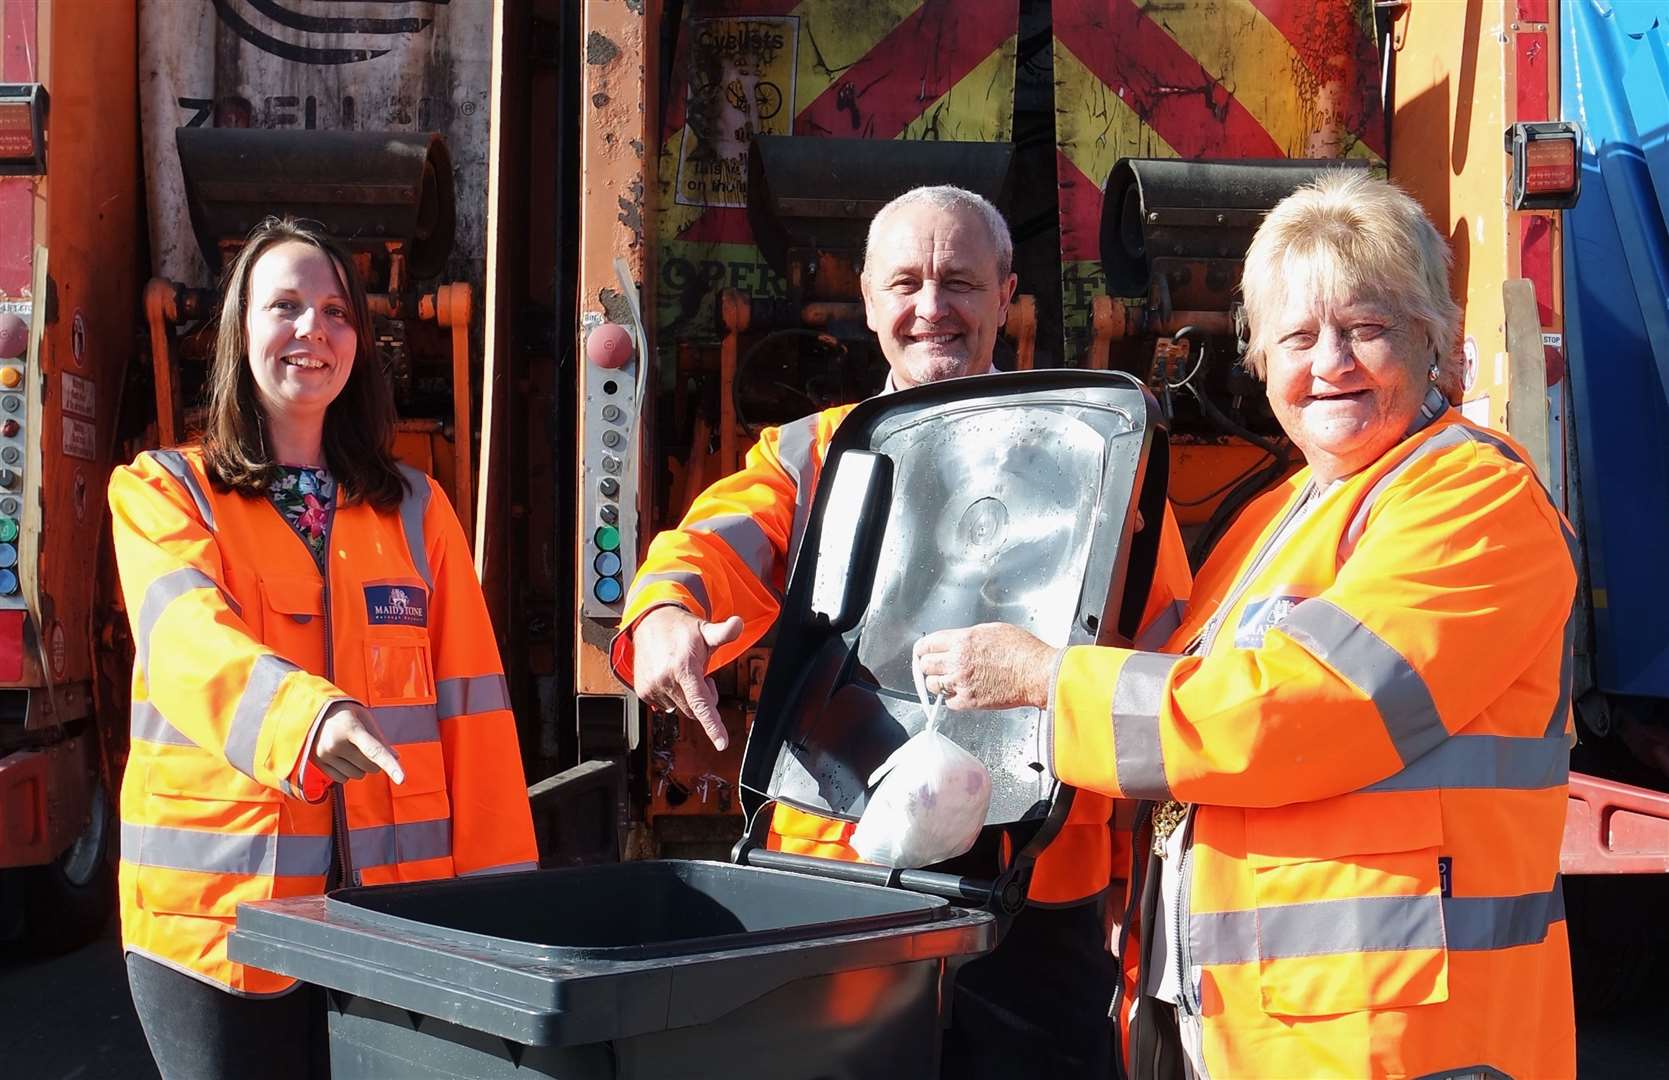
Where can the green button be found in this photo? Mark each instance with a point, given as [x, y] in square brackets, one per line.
[608, 538]
[8, 530]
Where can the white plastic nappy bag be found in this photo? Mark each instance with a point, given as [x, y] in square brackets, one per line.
[931, 800]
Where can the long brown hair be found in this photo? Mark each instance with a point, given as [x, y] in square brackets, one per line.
[359, 424]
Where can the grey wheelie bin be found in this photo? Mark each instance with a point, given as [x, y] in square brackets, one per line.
[1004, 497]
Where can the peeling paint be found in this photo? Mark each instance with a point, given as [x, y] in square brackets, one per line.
[599, 99]
[631, 211]
[599, 49]
[635, 6]
[637, 148]
[615, 305]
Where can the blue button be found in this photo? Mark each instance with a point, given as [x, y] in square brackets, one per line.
[8, 583]
[607, 589]
[607, 563]
[8, 555]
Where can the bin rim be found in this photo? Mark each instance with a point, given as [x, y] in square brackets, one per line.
[347, 902]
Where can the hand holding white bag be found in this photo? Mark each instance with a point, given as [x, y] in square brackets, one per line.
[931, 802]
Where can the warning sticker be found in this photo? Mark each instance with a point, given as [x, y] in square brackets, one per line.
[80, 439]
[80, 396]
[741, 85]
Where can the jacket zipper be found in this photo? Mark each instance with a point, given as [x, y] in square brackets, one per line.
[1179, 926]
[338, 793]
[1209, 634]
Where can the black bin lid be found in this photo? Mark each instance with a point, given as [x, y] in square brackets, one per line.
[998, 498]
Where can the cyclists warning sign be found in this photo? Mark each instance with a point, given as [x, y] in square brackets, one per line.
[741, 84]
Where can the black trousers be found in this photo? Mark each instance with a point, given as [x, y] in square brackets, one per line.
[198, 1032]
[1037, 1006]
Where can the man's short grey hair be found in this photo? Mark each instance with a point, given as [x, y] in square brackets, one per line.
[950, 197]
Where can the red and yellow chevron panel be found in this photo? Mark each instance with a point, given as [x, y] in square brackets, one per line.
[1200, 79]
[873, 69]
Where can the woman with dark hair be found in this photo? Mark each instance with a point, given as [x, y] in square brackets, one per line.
[317, 697]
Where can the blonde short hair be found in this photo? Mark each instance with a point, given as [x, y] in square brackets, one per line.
[1350, 233]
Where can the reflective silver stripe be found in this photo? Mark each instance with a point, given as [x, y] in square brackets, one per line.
[1164, 624]
[1567, 662]
[208, 852]
[691, 582]
[402, 724]
[146, 722]
[742, 535]
[1374, 924]
[1319, 928]
[506, 868]
[265, 676]
[175, 463]
[1139, 758]
[162, 592]
[413, 505]
[794, 443]
[474, 694]
[1485, 761]
[1481, 923]
[385, 845]
[1448, 437]
[1399, 693]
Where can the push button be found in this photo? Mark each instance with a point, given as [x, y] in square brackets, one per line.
[607, 563]
[607, 538]
[607, 590]
[8, 530]
[11, 377]
[8, 583]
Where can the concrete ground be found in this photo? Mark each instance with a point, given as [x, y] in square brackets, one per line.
[70, 1019]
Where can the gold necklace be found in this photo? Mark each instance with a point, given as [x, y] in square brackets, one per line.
[1166, 817]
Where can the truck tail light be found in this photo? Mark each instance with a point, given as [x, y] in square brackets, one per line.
[1547, 172]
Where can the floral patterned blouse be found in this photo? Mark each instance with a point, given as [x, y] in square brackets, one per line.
[304, 497]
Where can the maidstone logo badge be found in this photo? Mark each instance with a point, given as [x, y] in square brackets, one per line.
[396, 605]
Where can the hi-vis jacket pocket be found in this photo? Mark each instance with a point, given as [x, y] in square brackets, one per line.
[397, 670]
[292, 619]
[1349, 904]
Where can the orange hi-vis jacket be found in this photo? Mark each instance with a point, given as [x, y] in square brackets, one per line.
[731, 556]
[240, 645]
[1371, 721]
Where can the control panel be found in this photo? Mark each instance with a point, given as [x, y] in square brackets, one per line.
[14, 418]
[609, 455]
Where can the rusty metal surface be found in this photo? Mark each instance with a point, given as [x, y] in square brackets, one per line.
[368, 188]
[864, 69]
[817, 195]
[1223, 79]
[394, 67]
[1156, 212]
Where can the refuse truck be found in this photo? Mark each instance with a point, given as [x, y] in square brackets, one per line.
[605, 253]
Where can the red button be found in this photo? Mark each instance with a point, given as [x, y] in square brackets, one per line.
[609, 346]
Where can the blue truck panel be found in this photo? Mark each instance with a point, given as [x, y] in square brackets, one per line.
[1615, 83]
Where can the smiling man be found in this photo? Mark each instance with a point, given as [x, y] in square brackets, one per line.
[937, 282]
